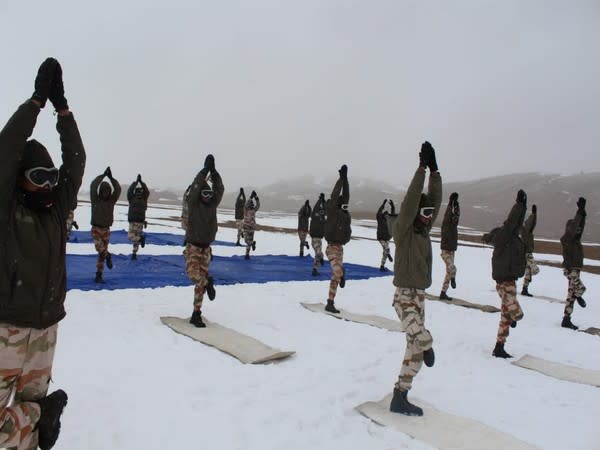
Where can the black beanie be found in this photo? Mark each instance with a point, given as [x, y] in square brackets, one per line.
[35, 155]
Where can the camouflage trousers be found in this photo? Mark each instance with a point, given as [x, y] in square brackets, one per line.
[136, 229]
[335, 255]
[197, 260]
[510, 309]
[26, 356]
[70, 220]
[239, 223]
[409, 304]
[302, 236]
[531, 269]
[385, 251]
[576, 288]
[317, 245]
[448, 258]
[101, 237]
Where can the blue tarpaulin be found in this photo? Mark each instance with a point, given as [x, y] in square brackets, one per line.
[150, 271]
[120, 237]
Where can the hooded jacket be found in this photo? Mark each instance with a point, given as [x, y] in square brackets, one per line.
[337, 224]
[412, 264]
[508, 258]
[102, 209]
[527, 232]
[571, 241]
[449, 241]
[383, 231]
[137, 203]
[202, 216]
[303, 217]
[32, 245]
[317, 219]
[240, 202]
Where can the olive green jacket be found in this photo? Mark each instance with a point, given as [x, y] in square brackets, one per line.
[337, 224]
[103, 210]
[202, 216]
[571, 242]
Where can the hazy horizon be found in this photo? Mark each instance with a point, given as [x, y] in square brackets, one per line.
[277, 89]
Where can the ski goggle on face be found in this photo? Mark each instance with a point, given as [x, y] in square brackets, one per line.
[427, 212]
[42, 176]
[207, 193]
[344, 207]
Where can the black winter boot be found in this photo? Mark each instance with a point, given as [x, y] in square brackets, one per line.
[253, 245]
[444, 296]
[382, 268]
[453, 282]
[389, 256]
[237, 243]
[133, 256]
[322, 261]
[98, 278]
[566, 323]
[580, 301]
[109, 263]
[315, 272]
[499, 351]
[331, 307]
[51, 407]
[247, 255]
[143, 240]
[429, 357]
[401, 405]
[343, 279]
[513, 324]
[210, 289]
[196, 319]
[306, 244]
[525, 292]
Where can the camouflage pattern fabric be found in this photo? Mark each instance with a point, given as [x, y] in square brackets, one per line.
[135, 234]
[317, 245]
[197, 260]
[409, 304]
[70, 220]
[101, 237]
[448, 258]
[386, 251]
[302, 236]
[240, 232]
[531, 269]
[249, 240]
[576, 289]
[335, 255]
[25, 370]
[510, 309]
[249, 222]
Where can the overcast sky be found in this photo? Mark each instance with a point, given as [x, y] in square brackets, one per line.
[280, 88]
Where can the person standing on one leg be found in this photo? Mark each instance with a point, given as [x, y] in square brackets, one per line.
[531, 268]
[249, 225]
[317, 231]
[412, 274]
[104, 193]
[201, 231]
[303, 218]
[137, 195]
[240, 202]
[71, 223]
[338, 233]
[383, 232]
[449, 243]
[508, 265]
[35, 201]
[573, 262]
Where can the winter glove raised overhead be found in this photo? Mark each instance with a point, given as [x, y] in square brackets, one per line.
[209, 163]
[343, 171]
[43, 81]
[581, 203]
[427, 156]
[107, 172]
[57, 90]
[139, 178]
[253, 194]
[534, 209]
[522, 197]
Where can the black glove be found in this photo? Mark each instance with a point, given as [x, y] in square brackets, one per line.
[534, 209]
[253, 194]
[75, 225]
[145, 224]
[139, 178]
[521, 197]
[343, 171]
[57, 90]
[384, 202]
[209, 163]
[581, 203]
[321, 196]
[306, 203]
[107, 172]
[391, 203]
[242, 191]
[44, 80]
[427, 156]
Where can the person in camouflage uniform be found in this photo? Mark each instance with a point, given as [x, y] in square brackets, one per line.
[303, 218]
[317, 231]
[337, 233]
[249, 224]
[71, 223]
[531, 268]
[203, 201]
[508, 265]
[383, 231]
[412, 274]
[240, 202]
[449, 243]
[572, 251]
[35, 200]
[104, 193]
[137, 196]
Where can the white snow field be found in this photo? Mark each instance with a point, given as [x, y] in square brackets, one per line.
[135, 384]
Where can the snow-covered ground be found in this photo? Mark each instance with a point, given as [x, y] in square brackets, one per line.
[135, 384]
